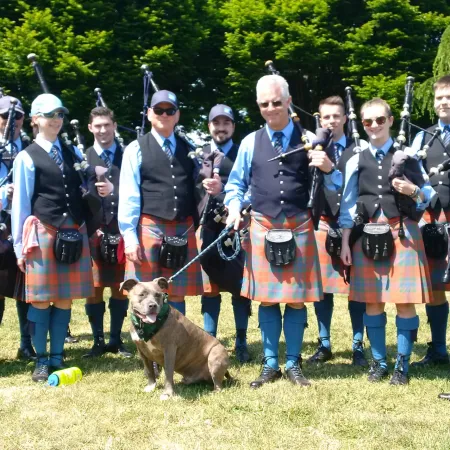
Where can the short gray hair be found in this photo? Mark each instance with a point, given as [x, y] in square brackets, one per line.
[273, 80]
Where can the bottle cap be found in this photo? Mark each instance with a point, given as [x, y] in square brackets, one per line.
[53, 380]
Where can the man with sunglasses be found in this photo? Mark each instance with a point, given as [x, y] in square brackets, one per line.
[157, 202]
[279, 195]
[402, 278]
[217, 273]
[10, 275]
[106, 153]
[47, 203]
[437, 212]
[340, 150]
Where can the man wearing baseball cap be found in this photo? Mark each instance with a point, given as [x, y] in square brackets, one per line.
[226, 275]
[10, 276]
[157, 203]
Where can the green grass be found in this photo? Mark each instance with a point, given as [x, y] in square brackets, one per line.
[109, 410]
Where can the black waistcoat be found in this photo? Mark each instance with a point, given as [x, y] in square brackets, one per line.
[167, 187]
[375, 192]
[333, 198]
[110, 204]
[56, 194]
[280, 185]
[437, 154]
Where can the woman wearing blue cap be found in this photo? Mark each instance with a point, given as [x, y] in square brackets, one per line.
[47, 213]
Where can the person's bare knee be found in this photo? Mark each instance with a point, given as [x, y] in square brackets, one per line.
[97, 298]
[406, 311]
[117, 294]
[373, 309]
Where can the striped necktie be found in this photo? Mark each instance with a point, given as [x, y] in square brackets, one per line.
[106, 156]
[54, 154]
[379, 155]
[278, 142]
[167, 150]
[446, 136]
[337, 152]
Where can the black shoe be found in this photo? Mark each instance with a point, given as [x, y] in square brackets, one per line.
[267, 376]
[242, 354]
[377, 372]
[40, 374]
[432, 358]
[444, 396]
[399, 378]
[323, 354]
[69, 338]
[26, 354]
[97, 349]
[295, 375]
[359, 358]
[120, 349]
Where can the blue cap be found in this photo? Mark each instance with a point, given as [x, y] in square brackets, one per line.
[220, 110]
[5, 104]
[47, 103]
[53, 380]
[164, 97]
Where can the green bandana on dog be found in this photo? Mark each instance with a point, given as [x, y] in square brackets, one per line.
[146, 331]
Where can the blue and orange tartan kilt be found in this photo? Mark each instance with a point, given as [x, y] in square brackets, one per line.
[332, 269]
[297, 282]
[438, 266]
[404, 278]
[49, 280]
[151, 232]
[105, 275]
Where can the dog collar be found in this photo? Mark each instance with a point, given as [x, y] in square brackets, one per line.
[146, 331]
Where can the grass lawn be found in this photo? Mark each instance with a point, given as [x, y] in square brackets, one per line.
[109, 410]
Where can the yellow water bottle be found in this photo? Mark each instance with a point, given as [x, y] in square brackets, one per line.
[64, 377]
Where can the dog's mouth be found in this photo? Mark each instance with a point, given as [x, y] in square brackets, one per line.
[147, 318]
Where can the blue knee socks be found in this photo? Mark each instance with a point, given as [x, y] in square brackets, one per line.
[357, 310]
[241, 309]
[270, 323]
[324, 312]
[22, 315]
[376, 330]
[118, 309]
[59, 321]
[39, 323]
[179, 306]
[211, 311]
[96, 313]
[406, 336]
[294, 322]
[437, 318]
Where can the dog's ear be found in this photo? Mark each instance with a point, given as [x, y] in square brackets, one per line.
[162, 283]
[127, 285]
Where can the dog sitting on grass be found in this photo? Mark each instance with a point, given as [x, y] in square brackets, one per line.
[164, 335]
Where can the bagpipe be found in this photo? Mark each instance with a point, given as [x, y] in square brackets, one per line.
[352, 123]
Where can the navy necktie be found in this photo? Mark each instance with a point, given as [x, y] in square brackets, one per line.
[278, 142]
[379, 155]
[337, 152]
[106, 156]
[446, 135]
[54, 154]
[167, 150]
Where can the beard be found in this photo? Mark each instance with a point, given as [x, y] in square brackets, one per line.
[221, 140]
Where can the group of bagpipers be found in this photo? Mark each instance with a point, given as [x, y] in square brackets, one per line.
[142, 221]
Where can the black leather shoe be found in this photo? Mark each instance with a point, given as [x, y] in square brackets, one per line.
[432, 358]
[120, 349]
[40, 374]
[444, 396]
[97, 349]
[377, 372]
[359, 358]
[399, 378]
[242, 354]
[69, 338]
[26, 354]
[295, 376]
[323, 354]
[267, 376]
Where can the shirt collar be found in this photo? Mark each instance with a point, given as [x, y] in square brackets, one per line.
[17, 143]
[46, 145]
[442, 125]
[225, 147]
[160, 139]
[99, 150]
[384, 148]
[342, 142]
[287, 131]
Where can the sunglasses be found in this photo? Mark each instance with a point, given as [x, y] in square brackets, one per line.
[379, 120]
[52, 115]
[275, 104]
[18, 116]
[168, 111]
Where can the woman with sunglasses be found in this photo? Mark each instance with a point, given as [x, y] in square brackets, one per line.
[403, 279]
[47, 198]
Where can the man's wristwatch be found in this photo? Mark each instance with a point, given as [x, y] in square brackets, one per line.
[415, 193]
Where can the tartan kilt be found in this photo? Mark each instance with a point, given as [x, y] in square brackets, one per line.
[298, 282]
[437, 266]
[404, 278]
[332, 269]
[151, 232]
[49, 280]
[105, 275]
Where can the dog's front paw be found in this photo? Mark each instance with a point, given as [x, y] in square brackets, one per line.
[150, 387]
[166, 396]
